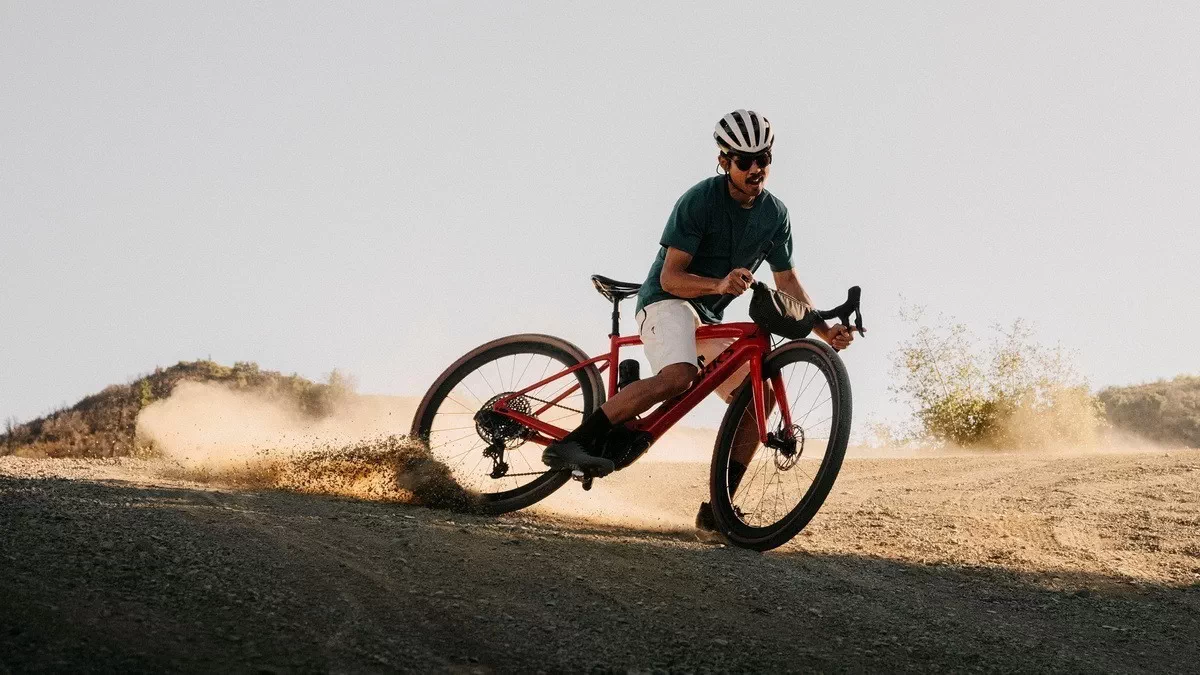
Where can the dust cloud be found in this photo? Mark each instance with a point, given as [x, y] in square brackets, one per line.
[1105, 442]
[660, 492]
[206, 424]
[648, 495]
[211, 434]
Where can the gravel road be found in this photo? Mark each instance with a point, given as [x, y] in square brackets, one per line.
[997, 563]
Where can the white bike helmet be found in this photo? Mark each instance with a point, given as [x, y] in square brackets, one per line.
[744, 132]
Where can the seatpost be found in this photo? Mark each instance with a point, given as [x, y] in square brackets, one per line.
[616, 317]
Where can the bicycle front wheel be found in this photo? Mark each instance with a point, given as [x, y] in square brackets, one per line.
[786, 481]
[489, 454]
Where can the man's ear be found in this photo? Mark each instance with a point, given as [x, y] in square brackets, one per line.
[723, 162]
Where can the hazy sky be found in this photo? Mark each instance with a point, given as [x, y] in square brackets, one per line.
[381, 187]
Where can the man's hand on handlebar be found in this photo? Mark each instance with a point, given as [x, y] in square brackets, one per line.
[736, 282]
[838, 336]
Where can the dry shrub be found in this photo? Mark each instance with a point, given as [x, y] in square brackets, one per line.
[1010, 394]
[1167, 411]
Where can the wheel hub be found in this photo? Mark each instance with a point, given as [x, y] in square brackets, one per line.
[788, 445]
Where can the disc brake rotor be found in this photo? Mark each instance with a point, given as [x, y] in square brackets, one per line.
[788, 446]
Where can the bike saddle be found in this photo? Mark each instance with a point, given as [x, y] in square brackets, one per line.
[614, 290]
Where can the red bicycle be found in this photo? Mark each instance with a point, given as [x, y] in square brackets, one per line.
[490, 413]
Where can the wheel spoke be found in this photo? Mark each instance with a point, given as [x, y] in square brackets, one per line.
[454, 440]
[468, 410]
[768, 498]
[441, 445]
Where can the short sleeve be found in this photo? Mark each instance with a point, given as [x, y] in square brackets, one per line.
[684, 227]
[780, 257]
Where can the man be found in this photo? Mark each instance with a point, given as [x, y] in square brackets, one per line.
[716, 229]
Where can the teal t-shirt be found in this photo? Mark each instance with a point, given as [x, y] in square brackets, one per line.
[720, 235]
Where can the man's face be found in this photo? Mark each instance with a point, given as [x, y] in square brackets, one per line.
[751, 179]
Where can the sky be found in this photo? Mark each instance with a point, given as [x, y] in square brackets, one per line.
[380, 187]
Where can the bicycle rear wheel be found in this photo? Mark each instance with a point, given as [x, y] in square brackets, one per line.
[466, 439]
[786, 482]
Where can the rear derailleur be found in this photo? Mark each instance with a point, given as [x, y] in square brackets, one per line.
[495, 452]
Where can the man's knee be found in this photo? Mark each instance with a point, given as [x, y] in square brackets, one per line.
[676, 378]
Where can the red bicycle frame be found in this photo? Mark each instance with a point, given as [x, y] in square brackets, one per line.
[750, 345]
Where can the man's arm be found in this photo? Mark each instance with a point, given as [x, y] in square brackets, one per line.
[676, 280]
[838, 336]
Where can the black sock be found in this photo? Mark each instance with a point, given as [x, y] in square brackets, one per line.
[593, 428]
[736, 471]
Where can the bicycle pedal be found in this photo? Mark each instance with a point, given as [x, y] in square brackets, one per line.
[583, 478]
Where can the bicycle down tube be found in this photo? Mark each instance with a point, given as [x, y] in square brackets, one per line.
[750, 346]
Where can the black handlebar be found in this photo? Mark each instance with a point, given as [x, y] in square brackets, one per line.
[842, 312]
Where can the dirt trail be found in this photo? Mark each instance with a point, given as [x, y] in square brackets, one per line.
[947, 563]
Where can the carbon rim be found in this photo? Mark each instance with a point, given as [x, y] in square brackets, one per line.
[780, 480]
[458, 436]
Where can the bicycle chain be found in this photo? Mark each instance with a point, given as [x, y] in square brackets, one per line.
[556, 405]
[542, 473]
[533, 473]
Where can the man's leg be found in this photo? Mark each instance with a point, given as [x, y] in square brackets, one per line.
[642, 395]
[577, 447]
[745, 438]
[669, 336]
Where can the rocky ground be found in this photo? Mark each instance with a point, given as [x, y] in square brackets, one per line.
[996, 563]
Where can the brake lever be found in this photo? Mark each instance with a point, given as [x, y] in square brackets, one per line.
[853, 305]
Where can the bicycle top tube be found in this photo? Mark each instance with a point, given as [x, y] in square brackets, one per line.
[737, 329]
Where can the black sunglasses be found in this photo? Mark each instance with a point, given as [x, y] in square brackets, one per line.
[744, 162]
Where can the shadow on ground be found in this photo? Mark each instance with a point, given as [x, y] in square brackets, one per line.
[116, 576]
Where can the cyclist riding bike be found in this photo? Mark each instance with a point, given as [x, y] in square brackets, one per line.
[709, 250]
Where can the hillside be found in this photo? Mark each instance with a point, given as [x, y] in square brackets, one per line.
[1167, 411]
[103, 424]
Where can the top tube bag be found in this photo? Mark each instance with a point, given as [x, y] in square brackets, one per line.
[781, 314]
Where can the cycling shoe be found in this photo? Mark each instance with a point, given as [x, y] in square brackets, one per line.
[569, 454]
[706, 525]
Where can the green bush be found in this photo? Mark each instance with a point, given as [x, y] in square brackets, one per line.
[1012, 393]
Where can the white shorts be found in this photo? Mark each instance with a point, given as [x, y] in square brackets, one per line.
[668, 330]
